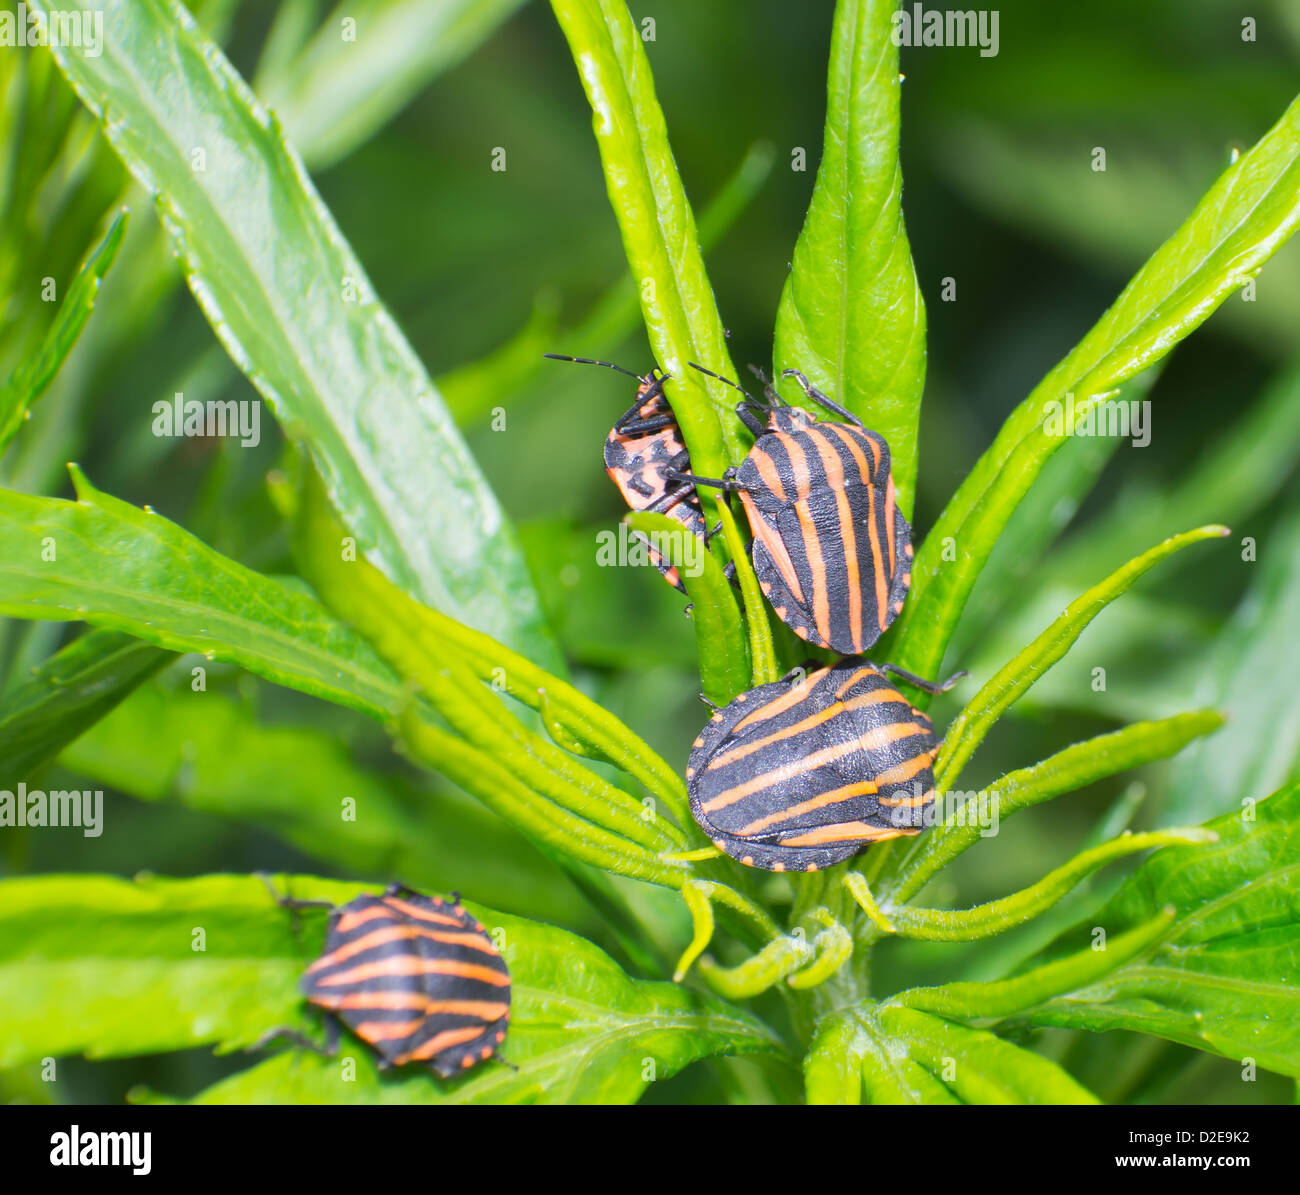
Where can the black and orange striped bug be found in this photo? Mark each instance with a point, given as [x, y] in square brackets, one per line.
[832, 551]
[643, 449]
[415, 977]
[805, 772]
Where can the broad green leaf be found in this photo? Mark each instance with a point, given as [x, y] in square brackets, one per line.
[984, 1069]
[1225, 977]
[293, 307]
[1073, 768]
[340, 90]
[1241, 222]
[658, 227]
[117, 566]
[21, 391]
[897, 1055]
[449, 660]
[719, 634]
[1014, 679]
[1250, 674]
[851, 314]
[214, 755]
[71, 691]
[832, 1068]
[580, 1029]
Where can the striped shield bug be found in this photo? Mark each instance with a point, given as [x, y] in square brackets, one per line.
[806, 771]
[416, 977]
[832, 551]
[644, 446]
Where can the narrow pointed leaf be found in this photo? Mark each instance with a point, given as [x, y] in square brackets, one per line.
[293, 307]
[851, 314]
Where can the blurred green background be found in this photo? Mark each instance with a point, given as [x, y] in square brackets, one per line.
[1000, 196]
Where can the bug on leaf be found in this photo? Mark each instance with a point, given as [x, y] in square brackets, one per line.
[806, 771]
[832, 551]
[416, 977]
[643, 449]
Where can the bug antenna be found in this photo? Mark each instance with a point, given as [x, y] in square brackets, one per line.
[769, 391]
[726, 381]
[590, 361]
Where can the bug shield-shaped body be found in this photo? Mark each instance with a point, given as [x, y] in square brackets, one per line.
[416, 977]
[645, 443]
[798, 776]
[832, 552]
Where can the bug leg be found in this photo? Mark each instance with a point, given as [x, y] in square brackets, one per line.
[397, 888]
[717, 483]
[928, 686]
[800, 671]
[289, 902]
[638, 427]
[710, 704]
[746, 412]
[818, 397]
[301, 1040]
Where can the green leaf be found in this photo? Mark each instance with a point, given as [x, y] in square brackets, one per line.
[214, 755]
[658, 227]
[1225, 976]
[449, 659]
[580, 1029]
[337, 92]
[1250, 673]
[719, 633]
[129, 569]
[71, 691]
[1068, 770]
[984, 1069]
[28, 383]
[897, 1055]
[293, 307]
[851, 314]
[1241, 222]
[1014, 679]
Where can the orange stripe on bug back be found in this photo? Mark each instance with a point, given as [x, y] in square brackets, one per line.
[418, 914]
[768, 474]
[772, 709]
[350, 921]
[845, 832]
[766, 534]
[847, 438]
[890, 536]
[812, 544]
[386, 1030]
[397, 933]
[882, 736]
[915, 801]
[405, 964]
[900, 773]
[439, 1042]
[786, 772]
[834, 710]
[836, 796]
[834, 467]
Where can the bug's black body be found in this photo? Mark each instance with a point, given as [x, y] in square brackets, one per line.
[416, 977]
[832, 551]
[799, 776]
